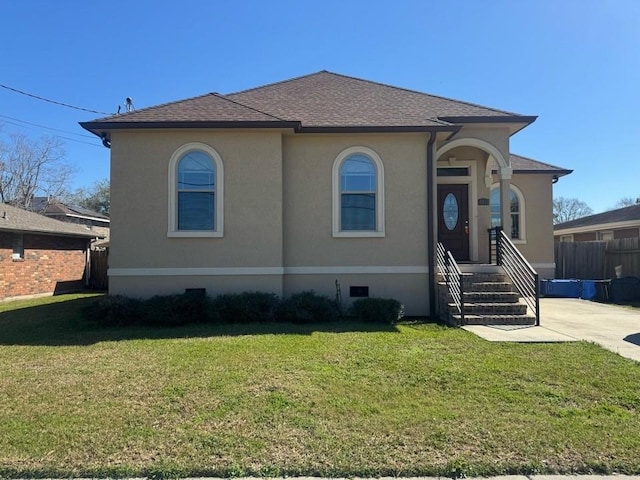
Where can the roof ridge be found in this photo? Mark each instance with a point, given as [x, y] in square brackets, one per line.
[223, 97]
[276, 83]
[420, 93]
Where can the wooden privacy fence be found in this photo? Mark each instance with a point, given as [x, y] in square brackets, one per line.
[99, 265]
[598, 260]
[623, 253]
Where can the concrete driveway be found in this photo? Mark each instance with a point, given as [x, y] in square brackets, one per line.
[613, 327]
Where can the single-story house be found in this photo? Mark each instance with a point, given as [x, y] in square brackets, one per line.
[40, 255]
[65, 212]
[294, 185]
[612, 225]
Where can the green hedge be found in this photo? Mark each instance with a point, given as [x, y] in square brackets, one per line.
[307, 307]
[246, 307]
[377, 310]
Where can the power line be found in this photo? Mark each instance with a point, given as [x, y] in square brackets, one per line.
[52, 101]
[48, 128]
[59, 136]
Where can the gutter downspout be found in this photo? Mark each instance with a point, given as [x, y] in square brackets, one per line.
[431, 244]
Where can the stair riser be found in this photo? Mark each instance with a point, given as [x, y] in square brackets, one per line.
[486, 297]
[497, 321]
[488, 300]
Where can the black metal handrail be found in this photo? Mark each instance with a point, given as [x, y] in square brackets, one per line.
[450, 270]
[523, 276]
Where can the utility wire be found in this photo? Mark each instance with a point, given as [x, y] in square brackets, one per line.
[52, 101]
[59, 136]
[48, 128]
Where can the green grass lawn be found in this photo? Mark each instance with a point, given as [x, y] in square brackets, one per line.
[343, 399]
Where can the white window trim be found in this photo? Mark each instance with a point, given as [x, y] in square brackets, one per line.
[523, 220]
[605, 233]
[337, 163]
[173, 196]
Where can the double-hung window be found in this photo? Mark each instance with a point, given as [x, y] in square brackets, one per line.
[195, 192]
[358, 194]
[358, 206]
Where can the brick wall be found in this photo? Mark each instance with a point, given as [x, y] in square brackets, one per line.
[50, 264]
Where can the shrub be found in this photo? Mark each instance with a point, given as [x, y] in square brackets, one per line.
[246, 307]
[113, 311]
[307, 307]
[174, 310]
[377, 310]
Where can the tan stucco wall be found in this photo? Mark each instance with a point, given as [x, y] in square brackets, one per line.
[252, 201]
[409, 289]
[538, 198]
[308, 240]
[148, 286]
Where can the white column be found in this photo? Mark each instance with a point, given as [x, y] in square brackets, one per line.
[505, 199]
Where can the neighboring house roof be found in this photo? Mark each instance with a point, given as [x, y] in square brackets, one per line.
[626, 216]
[522, 164]
[15, 219]
[322, 101]
[46, 206]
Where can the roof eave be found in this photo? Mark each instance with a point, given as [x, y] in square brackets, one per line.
[595, 227]
[516, 122]
[380, 129]
[87, 235]
[558, 172]
[101, 129]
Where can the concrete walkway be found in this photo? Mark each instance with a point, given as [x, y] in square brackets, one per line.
[613, 327]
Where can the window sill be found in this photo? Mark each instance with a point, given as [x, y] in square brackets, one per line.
[195, 234]
[355, 234]
[17, 260]
[519, 242]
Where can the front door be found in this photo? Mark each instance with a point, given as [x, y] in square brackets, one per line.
[453, 219]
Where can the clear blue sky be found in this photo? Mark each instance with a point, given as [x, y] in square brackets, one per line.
[574, 63]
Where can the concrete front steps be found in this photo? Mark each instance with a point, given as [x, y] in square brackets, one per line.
[488, 299]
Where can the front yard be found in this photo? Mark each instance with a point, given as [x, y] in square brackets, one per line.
[343, 399]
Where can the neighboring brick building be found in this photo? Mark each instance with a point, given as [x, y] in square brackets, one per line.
[40, 255]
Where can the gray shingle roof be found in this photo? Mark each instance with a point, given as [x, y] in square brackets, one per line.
[624, 214]
[315, 101]
[18, 220]
[47, 206]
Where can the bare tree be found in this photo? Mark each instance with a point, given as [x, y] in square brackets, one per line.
[626, 202]
[95, 198]
[32, 166]
[566, 209]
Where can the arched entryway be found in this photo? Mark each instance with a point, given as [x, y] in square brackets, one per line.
[463, 212]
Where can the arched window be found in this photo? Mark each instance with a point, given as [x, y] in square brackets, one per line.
[195, 192]
[358, 194]
[516, 208]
